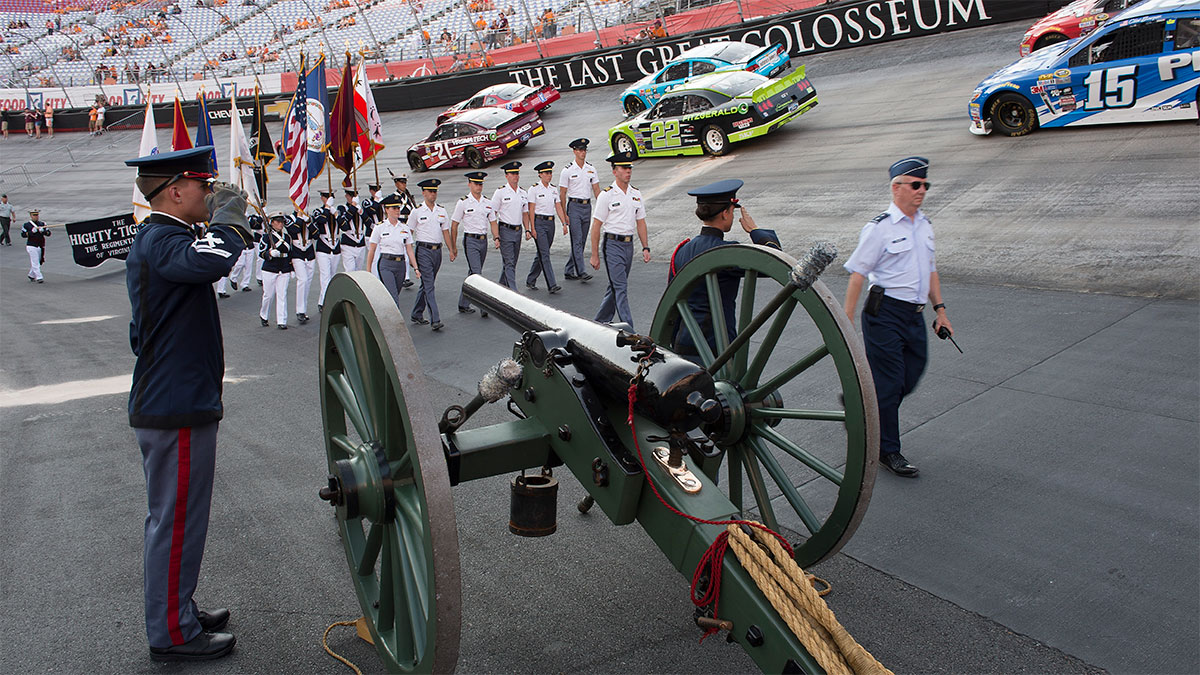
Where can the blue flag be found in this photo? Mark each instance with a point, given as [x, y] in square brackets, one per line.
[294, 122]
[318, 117]
[204, 135]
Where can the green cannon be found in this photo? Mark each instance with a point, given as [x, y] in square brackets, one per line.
[778, 424]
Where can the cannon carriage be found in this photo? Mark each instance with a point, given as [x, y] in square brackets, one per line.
[778, 424]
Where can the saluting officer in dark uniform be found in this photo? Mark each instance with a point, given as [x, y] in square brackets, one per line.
[329, 249]
[716, 206]
[354, 234]
[544, 204]
[303, 234]
[896, 255]
[474, 212]
[578, 184]
[430, 225]
[175, 400]
[371, 213]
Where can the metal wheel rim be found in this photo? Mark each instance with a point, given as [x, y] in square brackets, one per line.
[715, 142]
[854, 378]
[624, 144]
[474, 158]
[414, 162]
[634, 106]
[1011, 114]
[405, 568]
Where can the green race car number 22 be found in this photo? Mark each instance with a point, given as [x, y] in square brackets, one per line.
[664, 134]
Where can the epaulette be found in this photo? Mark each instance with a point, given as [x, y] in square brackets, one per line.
[879, 217]
[607, 189]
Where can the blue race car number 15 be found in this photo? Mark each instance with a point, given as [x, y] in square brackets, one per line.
[1111, 88]
[664, 134]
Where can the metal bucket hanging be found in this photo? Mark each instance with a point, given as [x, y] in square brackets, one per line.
[533, 510]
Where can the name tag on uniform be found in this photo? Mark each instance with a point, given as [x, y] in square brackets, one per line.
[615, 204]
[897, 241]
[636, 199]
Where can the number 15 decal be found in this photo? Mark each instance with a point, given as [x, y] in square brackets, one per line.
[1111, 88]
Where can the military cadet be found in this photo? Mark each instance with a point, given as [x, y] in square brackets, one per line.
[511, 204]
[620, 215]
[371, 214]
[544, 204]
[895, 254]
[302, 235]
[578, 184]
[244, 267]
[430, 225]
[34, 232]
[175, 399]
[716, 206]
[7, 212]
[354, 234]
[276, 252]
[407, 204]
[474, 212]
[329, 249]
[327, 201]
[391, 247]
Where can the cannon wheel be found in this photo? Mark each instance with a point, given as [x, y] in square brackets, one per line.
[394, 511]
[769, 441]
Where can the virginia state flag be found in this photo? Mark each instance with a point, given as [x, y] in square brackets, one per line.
[317, 110]
[204, 135]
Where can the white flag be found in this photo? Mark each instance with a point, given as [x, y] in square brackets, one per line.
[241, 161]
[366, 114]
[141, 208]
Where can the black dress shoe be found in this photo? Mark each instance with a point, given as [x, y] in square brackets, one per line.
[213, 621]
[245, 289]
[437, 325]
[571, 277]
[222, 295]
[260, 282]
[585, 277]
[407, 283]
[555, 288]
[282, 326]
[234, 284]
[466, 310]
[532, 287]
[483, 313]
[320, 308]
[265, 323]
[895, 462]
[203, 647]
[302, 318]
[419, 320]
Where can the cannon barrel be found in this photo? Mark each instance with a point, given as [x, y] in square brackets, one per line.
[666, 393]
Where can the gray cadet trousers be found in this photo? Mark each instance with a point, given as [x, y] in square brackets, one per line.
[510, 248]
[179, 465]
[618, 259]
[392, 273]
[429, 261]
[579, 222]
[544, 227]
[476, 250]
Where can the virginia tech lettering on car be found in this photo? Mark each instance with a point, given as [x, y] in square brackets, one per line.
[1141, 66]
[474, 138]
[711, 111]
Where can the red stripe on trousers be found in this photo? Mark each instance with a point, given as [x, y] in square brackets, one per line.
[181, 497]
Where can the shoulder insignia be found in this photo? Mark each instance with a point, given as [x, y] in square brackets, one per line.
[671, 268]
[607, 189]
[879, 217]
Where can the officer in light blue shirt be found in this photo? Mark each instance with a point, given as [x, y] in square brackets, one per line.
[895, 254]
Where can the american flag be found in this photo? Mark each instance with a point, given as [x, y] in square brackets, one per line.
[295, 146]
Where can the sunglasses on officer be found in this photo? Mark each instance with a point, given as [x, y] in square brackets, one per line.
[206, 178]
[917, 185]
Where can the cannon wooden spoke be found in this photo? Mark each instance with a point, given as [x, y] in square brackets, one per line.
[388, 478]
[800, 426]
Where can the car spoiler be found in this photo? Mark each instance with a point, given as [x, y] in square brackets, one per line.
[769, 89]
[764, 58]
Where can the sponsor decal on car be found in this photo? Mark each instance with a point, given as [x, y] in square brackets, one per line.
[743, 123]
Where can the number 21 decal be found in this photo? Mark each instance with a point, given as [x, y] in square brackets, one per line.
[1111, 88]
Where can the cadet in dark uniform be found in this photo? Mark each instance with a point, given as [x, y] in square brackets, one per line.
[244, 267]
[578, 184]
[354, 233]
[175, 400]
[430, 225]
[303, 234]
[276, 252]
[716, 206]
[34, 232]
[896, 255]
[620, 216]
[474, 212]
[371, 213]
[407, 204]
[329, 249]
[544, 204]
[511, 204]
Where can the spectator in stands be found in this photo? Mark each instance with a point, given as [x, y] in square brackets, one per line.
[92, 120]
[549, 24]
[39, 121]
[658, 31]
[100, 116]
[459, 64]
[30, 116]
[4, 124]
[49, 120]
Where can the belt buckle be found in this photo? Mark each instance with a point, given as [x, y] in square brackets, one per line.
[920, 308]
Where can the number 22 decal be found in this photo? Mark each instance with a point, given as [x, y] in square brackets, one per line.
[664, 134]
[1111, 88]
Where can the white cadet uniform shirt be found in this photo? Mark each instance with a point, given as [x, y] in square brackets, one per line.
[619, 211]
[391, 239]
[510, 204]
[543, 198]
[897, 253]
[578, 180]
[427, 224]
[474, 214]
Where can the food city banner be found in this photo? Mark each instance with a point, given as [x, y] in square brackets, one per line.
[94, 241]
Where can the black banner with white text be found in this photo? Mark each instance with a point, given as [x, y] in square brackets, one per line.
[94, 241]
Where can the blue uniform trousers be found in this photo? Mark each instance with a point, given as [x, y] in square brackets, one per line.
[179, 465]
[392, 273]
[618, 259]
[475, 249]
[896, 346]
[429, 261]
[579, 223]
[510, 248]
[544, 227]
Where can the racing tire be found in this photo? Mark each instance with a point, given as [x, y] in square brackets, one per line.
[1047, 40]
[474, 158]
[623, 143]
[633, 105]
[415, 162]
[1012, 114]
[714, 141]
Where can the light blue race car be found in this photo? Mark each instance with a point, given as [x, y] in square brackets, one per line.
[705, 58]
[1141, 66]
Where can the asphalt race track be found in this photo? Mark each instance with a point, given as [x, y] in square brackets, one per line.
[1054, 527]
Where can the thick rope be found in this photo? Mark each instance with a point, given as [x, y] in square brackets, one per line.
[339, 657]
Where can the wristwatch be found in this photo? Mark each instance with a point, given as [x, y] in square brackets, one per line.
[940, 305]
